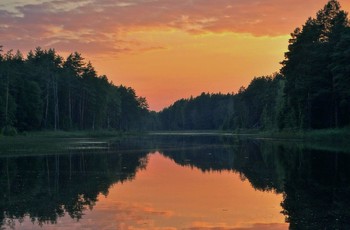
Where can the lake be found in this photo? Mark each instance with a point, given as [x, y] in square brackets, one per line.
[165, 182]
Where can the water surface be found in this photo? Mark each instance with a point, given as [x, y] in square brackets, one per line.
[172, 182]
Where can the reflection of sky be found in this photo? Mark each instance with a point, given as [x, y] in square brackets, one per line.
[167, 196]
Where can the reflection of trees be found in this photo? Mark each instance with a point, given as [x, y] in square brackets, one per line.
[224, 153]
[317, 191]
[46, 187]
[315, 184]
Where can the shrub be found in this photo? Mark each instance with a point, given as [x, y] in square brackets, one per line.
[9, 130]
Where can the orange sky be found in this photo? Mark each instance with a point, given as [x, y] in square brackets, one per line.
[164, 49]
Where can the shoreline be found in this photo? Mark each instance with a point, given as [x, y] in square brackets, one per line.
[342, 134]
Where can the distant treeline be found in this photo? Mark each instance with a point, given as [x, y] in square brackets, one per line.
[311, 91]
[44, 91]
[253, 108]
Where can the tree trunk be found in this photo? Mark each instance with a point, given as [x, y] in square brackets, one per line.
[47, 104]
[70, 166]
[8, 179]
[7, 98]
[56, 108]
[48, 175]
[57, 172]
[336, 116]
[69, 108]
[335, 104]
[82, 102]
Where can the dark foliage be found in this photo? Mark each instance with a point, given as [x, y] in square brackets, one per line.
[43, 91]
[312, 90]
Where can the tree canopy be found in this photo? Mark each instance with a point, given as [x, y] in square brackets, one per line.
[46, 91]
[311, 90]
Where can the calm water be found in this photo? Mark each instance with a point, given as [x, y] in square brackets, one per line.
[173, 182]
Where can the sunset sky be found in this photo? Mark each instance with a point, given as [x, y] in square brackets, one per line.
[164, 49]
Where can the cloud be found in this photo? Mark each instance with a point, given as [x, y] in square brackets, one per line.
[122, 215]
[258, 226]
[97, 26]
[111, 215]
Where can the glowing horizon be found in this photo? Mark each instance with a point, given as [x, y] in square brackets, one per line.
[164, 49]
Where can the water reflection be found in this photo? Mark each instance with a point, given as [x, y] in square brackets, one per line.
[73, 177]
[45, 188]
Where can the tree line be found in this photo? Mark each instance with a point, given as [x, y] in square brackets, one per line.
[44, 91]
[207, 111]
[254, 107]
[311, 91]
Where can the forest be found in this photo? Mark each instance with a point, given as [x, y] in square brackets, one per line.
[311, 91]
[44, 91]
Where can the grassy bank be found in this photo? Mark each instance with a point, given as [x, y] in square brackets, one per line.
[56, 142]
[332, 140]
[73, 134]
[339, 135]
[76, 134]
[61, 142]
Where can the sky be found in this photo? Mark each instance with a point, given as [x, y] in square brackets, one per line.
[164, 49]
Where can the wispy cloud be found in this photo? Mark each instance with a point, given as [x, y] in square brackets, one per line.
[97, 26]
[258, 226]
